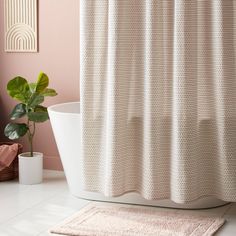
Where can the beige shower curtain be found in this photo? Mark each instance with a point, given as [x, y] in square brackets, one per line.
[158, 98]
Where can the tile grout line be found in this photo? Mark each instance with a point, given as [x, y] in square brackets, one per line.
[34, 205]
[28, 208]
[64, 218]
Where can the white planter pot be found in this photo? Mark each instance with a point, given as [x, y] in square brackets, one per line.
[30, 168]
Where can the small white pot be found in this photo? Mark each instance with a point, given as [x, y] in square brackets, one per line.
[30, 168]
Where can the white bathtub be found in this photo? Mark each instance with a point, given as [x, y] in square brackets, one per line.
[65, 120]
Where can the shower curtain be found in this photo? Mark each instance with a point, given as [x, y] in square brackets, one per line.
[158, 98]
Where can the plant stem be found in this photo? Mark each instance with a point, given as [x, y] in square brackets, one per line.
[30, 137]
[31, 146]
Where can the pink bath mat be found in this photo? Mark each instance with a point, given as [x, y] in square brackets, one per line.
[98, 219]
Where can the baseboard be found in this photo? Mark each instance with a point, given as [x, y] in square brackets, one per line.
[52, 163]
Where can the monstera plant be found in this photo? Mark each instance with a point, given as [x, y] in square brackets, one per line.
[31, 96]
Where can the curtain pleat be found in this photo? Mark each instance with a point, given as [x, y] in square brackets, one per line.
[158, 98]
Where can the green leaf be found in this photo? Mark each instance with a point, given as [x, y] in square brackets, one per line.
[15, 130]
[42, 82]
[38, 116]
[49, 92]
[32, 87]
[18, 88]
[35, 100]
[41, 108]
[18, 111]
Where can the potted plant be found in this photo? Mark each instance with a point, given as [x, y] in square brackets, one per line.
[31, 96]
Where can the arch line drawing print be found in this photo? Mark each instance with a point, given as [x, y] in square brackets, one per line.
[20, 25]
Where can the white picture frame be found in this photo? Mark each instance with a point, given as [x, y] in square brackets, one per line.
[20, 25]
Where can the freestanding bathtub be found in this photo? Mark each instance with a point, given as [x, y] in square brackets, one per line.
[65, 120]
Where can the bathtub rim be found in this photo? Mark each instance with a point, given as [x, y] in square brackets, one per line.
[53, 108]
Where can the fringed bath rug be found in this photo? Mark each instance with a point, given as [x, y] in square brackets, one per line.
[98, 219]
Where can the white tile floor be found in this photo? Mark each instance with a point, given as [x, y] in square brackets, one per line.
[32, 210]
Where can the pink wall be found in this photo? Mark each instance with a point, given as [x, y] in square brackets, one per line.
[58, 56]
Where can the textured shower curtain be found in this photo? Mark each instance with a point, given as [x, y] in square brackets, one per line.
[158, 98]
